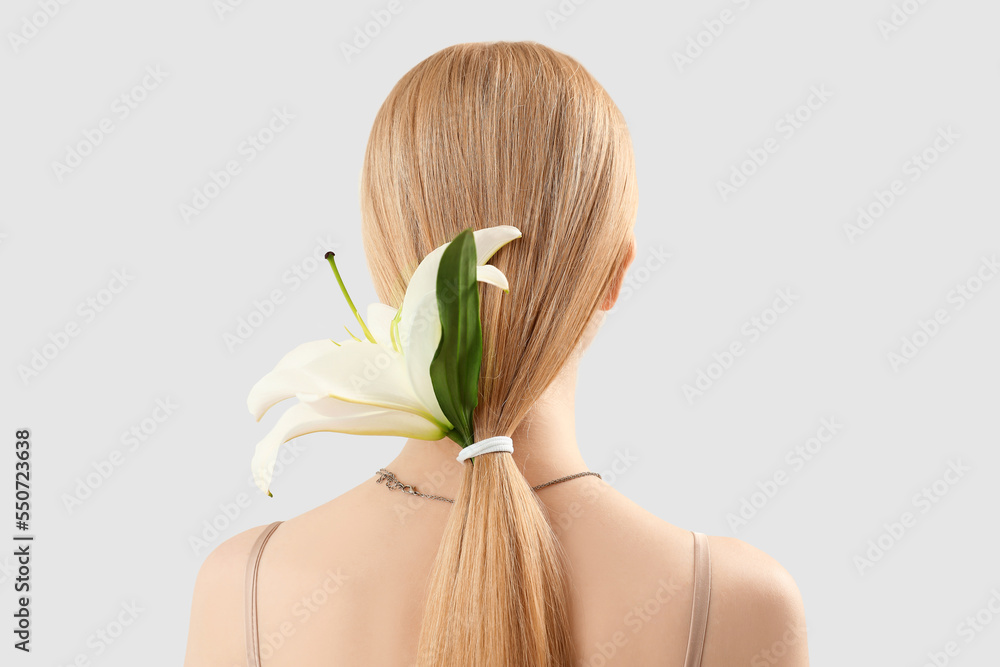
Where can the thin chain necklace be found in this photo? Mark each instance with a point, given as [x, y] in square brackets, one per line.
[392, 483]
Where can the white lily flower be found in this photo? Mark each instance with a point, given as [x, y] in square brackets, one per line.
[379, 385]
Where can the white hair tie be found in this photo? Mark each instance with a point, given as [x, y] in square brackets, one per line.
[498, 443]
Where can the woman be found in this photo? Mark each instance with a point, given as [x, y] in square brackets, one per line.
[506, 574]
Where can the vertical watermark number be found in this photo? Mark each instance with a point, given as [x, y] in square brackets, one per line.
[22, 541]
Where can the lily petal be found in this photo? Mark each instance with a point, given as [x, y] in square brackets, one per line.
[421, 336]
[304, 353]
[262, 397]
[356, 372]
[490, 274]
[491, 239]
[424, 278]
[329, 414]
[379, 318]
[420, 342]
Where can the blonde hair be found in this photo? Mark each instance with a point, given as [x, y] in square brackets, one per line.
[484, 134]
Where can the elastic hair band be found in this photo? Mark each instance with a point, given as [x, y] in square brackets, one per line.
[498, 443]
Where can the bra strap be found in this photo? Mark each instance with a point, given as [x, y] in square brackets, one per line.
[250, 588]
[699, 606]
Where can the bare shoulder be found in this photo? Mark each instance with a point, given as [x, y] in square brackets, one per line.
[756, 615]
[216, 632]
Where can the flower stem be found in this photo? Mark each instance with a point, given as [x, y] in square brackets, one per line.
[333, 264]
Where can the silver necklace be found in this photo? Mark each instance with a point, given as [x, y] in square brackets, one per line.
[392, 483]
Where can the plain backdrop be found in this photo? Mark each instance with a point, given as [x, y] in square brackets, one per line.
[817, 186]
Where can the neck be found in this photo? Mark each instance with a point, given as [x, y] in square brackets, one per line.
[545, 445]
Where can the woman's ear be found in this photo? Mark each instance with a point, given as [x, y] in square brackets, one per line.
[616, 286]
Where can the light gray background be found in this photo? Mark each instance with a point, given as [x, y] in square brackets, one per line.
[692, 463]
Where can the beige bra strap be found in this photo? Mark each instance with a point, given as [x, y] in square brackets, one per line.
[699, 606]
[250, 605]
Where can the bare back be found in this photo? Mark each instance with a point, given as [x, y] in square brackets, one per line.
[347, 581]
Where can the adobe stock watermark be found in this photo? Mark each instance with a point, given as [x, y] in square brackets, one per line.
[967, 630]
[712, 29]
[120, 109]
[796, 459]
[302, 611]
[786, 127]
[229, 511]
[247, 151]
[913, 168]
[426, 315]
[637, 276]
[290, 281]
[751, 331]
[622, 463]
[131, 439]
[388, 359]
[637, 618]
[432, 483]
[922, 501]
[926, 330]
[899, 16]
[772, 655]
[104, 637]
[561, 12]
[365, 33]
[223, 8]
[41, 357]
[33, 23]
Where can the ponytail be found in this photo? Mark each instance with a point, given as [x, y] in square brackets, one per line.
[497, 594]
[478, 135]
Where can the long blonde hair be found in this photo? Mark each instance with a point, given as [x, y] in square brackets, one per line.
[484, 134]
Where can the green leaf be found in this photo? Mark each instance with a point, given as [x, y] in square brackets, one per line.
[456, 363]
